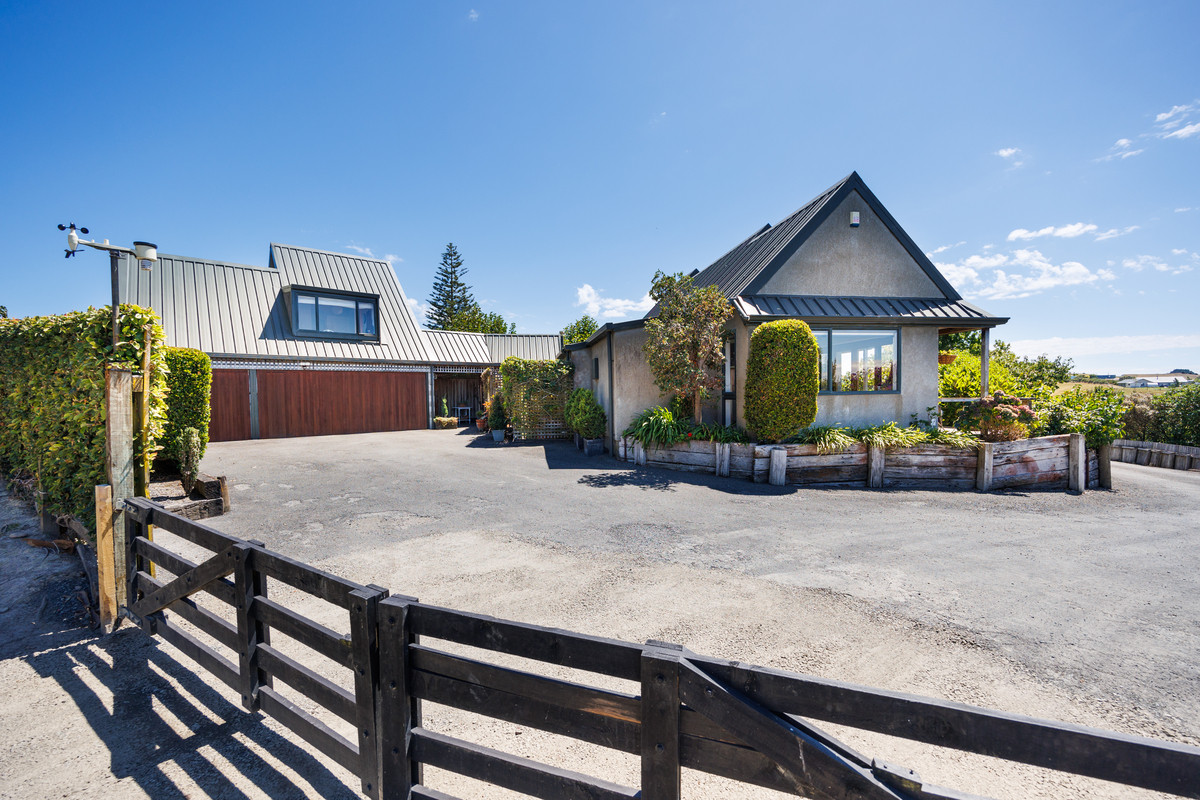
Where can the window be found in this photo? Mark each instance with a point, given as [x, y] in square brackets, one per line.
[335, 315]
[859, 360]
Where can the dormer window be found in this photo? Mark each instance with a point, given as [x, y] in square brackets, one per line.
[328, 314]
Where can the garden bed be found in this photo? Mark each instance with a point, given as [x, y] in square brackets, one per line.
[1047, 462]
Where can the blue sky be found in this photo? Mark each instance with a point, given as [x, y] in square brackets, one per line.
[1047, 156]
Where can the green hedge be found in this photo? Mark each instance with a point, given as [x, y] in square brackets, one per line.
[783, 375]
[189, 389]
[591, 421]
[52, 407]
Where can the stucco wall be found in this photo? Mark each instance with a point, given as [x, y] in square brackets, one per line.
[838, 260]
[633, 375]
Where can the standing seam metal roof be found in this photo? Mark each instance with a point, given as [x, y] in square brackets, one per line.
[932, 310]
[227, 309]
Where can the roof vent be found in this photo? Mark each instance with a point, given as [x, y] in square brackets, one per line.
[854, 219]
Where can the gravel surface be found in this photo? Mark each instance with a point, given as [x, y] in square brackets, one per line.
[1082, 609]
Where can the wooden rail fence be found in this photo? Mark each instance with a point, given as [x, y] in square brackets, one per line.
[745, 723]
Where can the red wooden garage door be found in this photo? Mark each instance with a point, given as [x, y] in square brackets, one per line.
[230, 405]
[318, 402]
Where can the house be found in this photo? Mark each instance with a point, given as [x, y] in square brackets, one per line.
[1156, 381]
[316, 343]
[842, 263]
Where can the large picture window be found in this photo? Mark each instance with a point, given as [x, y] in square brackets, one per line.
[336, 315]
[859, 360]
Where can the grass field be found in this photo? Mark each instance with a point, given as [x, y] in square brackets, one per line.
[1125, 390]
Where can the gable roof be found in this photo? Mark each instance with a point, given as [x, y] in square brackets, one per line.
[747, 267]
[234, 310]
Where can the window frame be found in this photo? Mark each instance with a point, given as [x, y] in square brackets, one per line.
[293, 305]
[828, 357]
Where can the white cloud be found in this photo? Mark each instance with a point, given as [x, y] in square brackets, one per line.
[391, 258]
[1103, 345]
[1012, 155]
[944, 248]
[473, 16]
[1155, 263]
[1186, 132]
[610, 307]
[1183, 210]
[1113, 233]
[1027, 273]
[419, 310]
[1174, 112]
[1065, 232]
[1122, 148]
[1179, 252]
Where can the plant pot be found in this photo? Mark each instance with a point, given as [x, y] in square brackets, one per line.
[947, 358]
[481, 424]
[593, 447]
[498, 435]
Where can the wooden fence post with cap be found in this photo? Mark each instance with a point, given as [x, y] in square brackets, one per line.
[398, 711]
[364, 643]
[661, 778]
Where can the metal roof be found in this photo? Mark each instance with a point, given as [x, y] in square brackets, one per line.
[910, 310]
[237, 310]
[751, 263]
[532, 346]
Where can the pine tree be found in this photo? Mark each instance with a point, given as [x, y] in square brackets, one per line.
[451, 296]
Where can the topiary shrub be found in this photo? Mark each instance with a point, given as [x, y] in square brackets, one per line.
[590, 418]
[189, 452]
[572, 408]
[497, 420]
[189, 391]
[783, 375]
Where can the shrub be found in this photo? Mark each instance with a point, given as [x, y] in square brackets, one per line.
[1139, 418]
[442, 423]
[590, 417]
[783, 374]
[656, 426]
[1177, 416]
[445, 408]
[189, 452]
[1099, 415]
[189, 388]
[999, 418]
[572, 407]
[725, 434]
[497, 420]
[828, 439]
[890, 436]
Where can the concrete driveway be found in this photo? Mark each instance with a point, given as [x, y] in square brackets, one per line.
[1096, 594]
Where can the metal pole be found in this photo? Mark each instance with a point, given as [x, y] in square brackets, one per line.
[114, 259]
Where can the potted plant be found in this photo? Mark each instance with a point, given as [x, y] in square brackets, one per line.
[947, 358]
[577, 400]
[481, 423]
[496, 420]
[592, 424]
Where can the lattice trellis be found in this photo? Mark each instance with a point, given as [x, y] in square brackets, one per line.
[535, 397]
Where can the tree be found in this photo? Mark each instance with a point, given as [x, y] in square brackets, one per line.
[474, 319]
[684, 341]
[580, 330]
[966, 341]
[451, 296]
[3, 312]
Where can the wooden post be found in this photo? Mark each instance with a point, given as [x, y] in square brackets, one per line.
[723, 451]
[248, 583]
[639, 454]
[777, 471]
[1104, 465]
[106, 565]
[141, 418]
[985, 357]
[1077, 463]
[983, 467]
[398, 711]
[875, 462]
[119, 452]
[661, 778]
[364, 643]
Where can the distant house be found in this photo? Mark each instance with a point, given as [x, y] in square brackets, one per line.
[1156, 381]
[316, 343]
[843, 265]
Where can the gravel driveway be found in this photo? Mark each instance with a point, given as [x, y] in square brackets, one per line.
[1079, 608]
